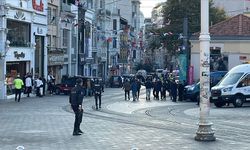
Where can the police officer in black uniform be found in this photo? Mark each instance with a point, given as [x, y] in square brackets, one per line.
[98, 89]
[75, 99]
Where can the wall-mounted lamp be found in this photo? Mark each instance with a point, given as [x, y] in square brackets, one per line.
[7, 43]
[33, 45]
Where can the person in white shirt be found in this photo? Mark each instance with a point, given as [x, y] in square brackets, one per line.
[39, 87]
[28, 84]
[51, 83]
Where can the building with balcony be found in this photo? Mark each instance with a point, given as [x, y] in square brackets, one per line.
[69, 37]
[54, 50]
[24, 26]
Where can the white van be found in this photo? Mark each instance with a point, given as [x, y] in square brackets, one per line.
[233, 88]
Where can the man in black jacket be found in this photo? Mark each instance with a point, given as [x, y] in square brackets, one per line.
[75, 99]
[148, 85]
[98, 89]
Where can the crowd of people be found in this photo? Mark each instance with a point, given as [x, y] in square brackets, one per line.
[158, 85]
[29, 84]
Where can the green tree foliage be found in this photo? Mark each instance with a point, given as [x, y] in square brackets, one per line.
[175, 10]
[174, 13]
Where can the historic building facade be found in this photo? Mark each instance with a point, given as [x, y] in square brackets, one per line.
[24, 29]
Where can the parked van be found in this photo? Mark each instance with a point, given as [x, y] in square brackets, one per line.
[233, 88]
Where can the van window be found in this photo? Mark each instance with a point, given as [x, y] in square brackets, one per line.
[244, 82]
[231, 78]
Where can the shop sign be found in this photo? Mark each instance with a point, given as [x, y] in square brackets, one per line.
[19, 55]
[56, 59]
[39, 30]
[38, 7]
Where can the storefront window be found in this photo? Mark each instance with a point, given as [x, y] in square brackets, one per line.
[18, 33]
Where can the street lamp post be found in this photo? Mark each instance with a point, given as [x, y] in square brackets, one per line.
[4, 45]
[204, 132]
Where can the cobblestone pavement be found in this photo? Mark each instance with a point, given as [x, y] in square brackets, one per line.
[47, 123]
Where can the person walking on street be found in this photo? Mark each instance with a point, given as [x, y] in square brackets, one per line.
[18, 83]
[180, 91]
[163, 90]
[154, 87]
[28, 84]
[138, 82]
[127, 87]
[75, 100]
[39, 87]
[98, 94]
[44, 85]
[51, 83]
[134, 90]
[158, 86]
[174, 90]
[148, 85]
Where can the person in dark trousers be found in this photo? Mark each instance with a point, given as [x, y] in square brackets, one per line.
[180, 91]
[148, 86]
[138, 82]
[127, 87]
[28, 84]
[163, 90]
[98, 94]
[158, 86]
[169, 88]
[51, 83]
[44, 85]
[174, 90]
[75, 99]
[18, 83]
[154, 87]
[134, 89]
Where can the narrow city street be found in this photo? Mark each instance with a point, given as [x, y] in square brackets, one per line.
[47, 124]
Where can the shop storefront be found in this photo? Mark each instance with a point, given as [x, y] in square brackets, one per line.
[26, 31]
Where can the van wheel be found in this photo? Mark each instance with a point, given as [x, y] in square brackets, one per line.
[219, 104]
[58, 91]
[238, 101]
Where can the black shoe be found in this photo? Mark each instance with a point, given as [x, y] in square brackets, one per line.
[100, 107]
[96, 108]
[76, 134]
[80, 131]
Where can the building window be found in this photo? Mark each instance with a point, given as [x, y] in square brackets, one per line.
[134, 54]
[74, 39]
[90, 4]
[101, 4]
[54, 16]
[65, 38]
[114, 42]
[18, 33]
[49, 15]
[49, 40]
[114, 24]
[54, 44]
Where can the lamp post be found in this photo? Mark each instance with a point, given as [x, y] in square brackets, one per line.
[4, 45]
[204, 132]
